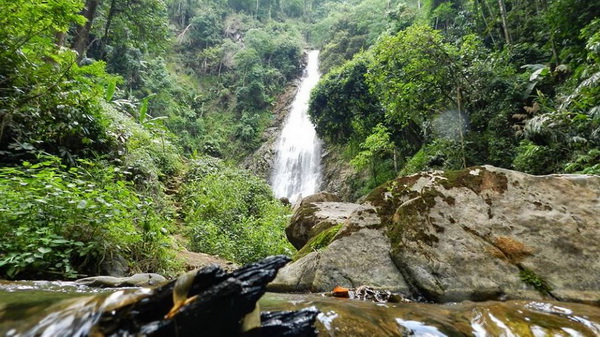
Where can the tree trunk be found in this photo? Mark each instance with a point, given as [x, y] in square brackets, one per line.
[111, 14]
[502, 7]
[460, 126]
[485, 23]
[60, 39]
[82, 33]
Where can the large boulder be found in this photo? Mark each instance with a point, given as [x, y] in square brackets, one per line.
[487, 233]
[475, 234]
[314, 214]
[351, 254]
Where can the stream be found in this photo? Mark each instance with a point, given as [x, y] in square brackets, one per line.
[26, 308]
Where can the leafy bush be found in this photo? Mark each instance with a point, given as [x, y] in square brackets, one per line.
[439, 154]
[147, 156]
[536, 159]
[230, 213]
[58, 222]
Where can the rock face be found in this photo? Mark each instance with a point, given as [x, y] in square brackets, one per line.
[337, 172]
[315, 214]
[476, 234]
[261, 162]
[357, 255]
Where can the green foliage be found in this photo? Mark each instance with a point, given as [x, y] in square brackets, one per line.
[439, 154]
[230, 213]
[532, 279]
[47, 102]
[586, 163]
[401, 74]
[58, 222]
[147, 157]
[536, 159]
[349, 28]
[375, 147]
[341, 105]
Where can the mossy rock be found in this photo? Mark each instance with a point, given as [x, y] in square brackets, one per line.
[318, 242]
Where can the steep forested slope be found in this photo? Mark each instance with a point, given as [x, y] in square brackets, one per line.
[109, 108]
[451, 84]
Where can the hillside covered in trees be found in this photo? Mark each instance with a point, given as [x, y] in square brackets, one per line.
[122, 121]
[451, 84]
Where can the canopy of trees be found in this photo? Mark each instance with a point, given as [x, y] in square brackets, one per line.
[458, 83]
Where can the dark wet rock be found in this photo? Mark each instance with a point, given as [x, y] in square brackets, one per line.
[287, 323]
[285, 201]
[136, 280]
[116, 266]
[223, 300]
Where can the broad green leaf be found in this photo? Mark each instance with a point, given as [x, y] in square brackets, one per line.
[44, 250]
[110, 90]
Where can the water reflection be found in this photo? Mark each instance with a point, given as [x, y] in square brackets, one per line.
[343, 317]
[66, 309]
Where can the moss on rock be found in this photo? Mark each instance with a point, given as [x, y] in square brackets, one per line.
[477, 179]
[318, 242]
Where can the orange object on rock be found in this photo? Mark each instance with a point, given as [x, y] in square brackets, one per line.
[340, 292]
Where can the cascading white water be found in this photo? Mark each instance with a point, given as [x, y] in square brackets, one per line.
[297, 168]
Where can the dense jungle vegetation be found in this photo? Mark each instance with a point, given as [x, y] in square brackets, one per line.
[451, 84]
[122, 121]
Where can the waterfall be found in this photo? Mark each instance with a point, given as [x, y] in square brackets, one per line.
[297, 165]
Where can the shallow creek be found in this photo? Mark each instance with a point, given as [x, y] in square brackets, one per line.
[28, 306]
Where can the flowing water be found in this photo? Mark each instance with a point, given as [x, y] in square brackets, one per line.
[297, 164]
[66, 309]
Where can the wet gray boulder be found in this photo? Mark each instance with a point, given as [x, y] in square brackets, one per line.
[488, 233]
[314, 214]
[351, 254]
[136, 280]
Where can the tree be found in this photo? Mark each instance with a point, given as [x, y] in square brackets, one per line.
[82, 32]
[47, 101]
[374, 149]
[341, 105]
[402, 74]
